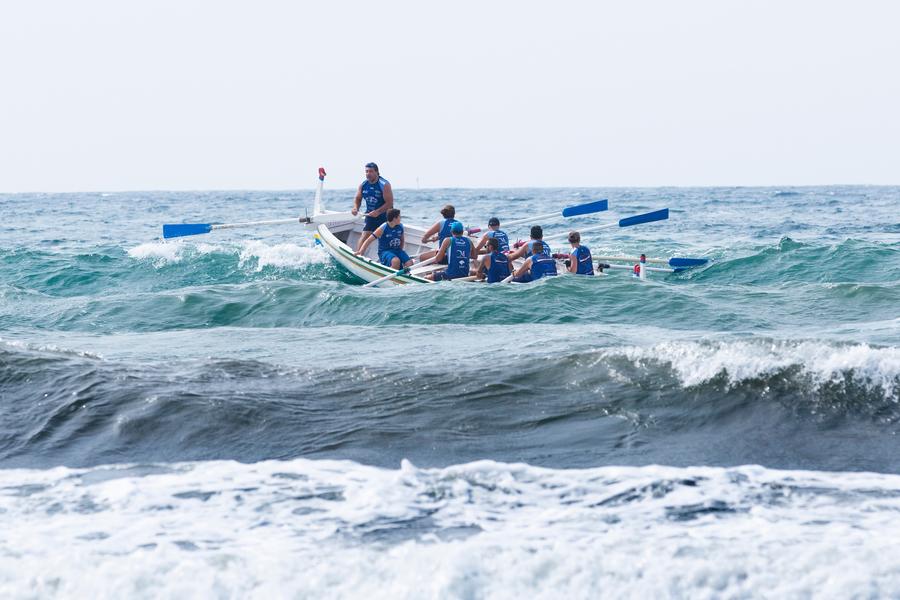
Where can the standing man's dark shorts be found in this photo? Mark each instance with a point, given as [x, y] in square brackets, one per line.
[372, 223]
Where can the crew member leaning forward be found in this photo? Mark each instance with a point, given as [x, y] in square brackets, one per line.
[390, 242]
[458, 250]
[580, 261]
[495, 264]
[379, 197]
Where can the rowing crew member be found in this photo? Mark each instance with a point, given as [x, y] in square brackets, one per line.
[580, 261]
[379, 197]
[495, 264]
[458, 250]
[440, 231]
[390, 242]
[536, 244]
[496, 233]
[539, 264]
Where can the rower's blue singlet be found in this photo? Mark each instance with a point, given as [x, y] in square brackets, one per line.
[444, 231]
[585, 263]
[499, 269]
[458, 257]
[542, 265]
[531, 244]
[501, 237]
[390, 238]
[373, 194]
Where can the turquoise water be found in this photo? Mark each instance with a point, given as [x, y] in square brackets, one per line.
[133, 369]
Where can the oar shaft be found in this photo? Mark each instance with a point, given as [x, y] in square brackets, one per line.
[253, 223]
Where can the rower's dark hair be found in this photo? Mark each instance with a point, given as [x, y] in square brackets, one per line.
[536, 232]
[574, 237]
[392, 214]
[493, 244]
[448, 211]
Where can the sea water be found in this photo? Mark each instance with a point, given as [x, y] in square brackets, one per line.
[233, 415]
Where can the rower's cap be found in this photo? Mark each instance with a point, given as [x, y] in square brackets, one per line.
[457, 227]
[494, 222]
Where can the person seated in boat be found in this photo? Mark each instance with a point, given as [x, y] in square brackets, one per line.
[580, 261]
[379, 197]
[495, 264]
[390, 242]
[440, 231]
[458, 250]
[535, 244]
[539, 264]
[493, 232]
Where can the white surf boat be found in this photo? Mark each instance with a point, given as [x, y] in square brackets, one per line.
[339, 234]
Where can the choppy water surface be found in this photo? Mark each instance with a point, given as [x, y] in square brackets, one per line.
[227, 407]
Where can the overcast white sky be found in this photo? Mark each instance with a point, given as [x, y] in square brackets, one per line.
[212, 94]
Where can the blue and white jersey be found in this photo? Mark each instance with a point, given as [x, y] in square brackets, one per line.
[391, 237]
[499, 269]
[585, 263]
[458, 255]
[373, 193]
[542, 265]
[501, 237]
[545, 247]
[444, 231]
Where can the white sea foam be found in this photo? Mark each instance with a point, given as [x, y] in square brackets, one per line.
[261, 255]
[159, 253]
[338, 529]
[699, 362]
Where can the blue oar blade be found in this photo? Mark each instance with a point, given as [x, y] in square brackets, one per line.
[687, 262]
[586, 209]
[656, 215]
[181, 229]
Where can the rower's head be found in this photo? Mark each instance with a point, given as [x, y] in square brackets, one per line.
[537, 233]
[574, 238]
[372, 174]
[494, 223]
[456, 229]
[393, 216]
[493, 244]
[448, 212]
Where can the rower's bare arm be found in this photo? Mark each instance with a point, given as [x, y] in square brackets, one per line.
[357, 201]
[573, 263]
[427, 236]
[523, 269]
[481, 267]
[365, 244]
[388, 198]
[481, 244]
[518, 252]
[443, 250]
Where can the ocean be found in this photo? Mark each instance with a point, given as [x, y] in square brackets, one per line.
[233, 415]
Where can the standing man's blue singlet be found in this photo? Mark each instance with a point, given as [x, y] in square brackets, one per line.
[373, 196]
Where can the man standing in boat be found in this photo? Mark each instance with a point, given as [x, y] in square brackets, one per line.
[458, 250]
[494, 232]
[379, 197]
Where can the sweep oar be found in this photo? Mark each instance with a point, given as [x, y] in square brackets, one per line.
[676, 262]
[172, 230]
[400, 272]
[183, 229]
[650, 217]
[569, 211]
